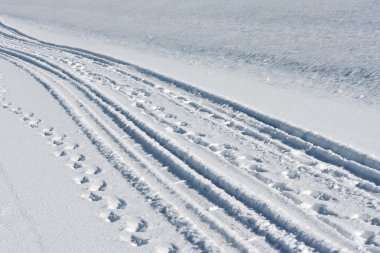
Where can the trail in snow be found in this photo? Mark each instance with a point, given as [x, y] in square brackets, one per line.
[226, 177]
[95, 181]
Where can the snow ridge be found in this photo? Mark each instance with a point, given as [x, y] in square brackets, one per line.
[218, 195]
[340, 149]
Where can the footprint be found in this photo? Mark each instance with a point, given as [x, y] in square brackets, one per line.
[217, 117]
[281, 187]
[77, 165]
[178, 130]
[98, 186]
[263, 178]
[257, 168]
[48, 132]
[182, 98]
[229, 146]
[58, 141]
[112, 217]
[293, 197]
[97, 171]
[35, 124]
[73, 147]
[230, 156]
[62, 153]
[116, 203]
[142, 226]
[6, 105]
[138, 241]
[197, 140]
[323, 210]
[170, 116]
[17, 111]
[322, 196]
[131, 226]
[82, 180]
[375, 221]
[27, 117]
[103, 186]
[94, 197]
[370, 238]
[94, 171]
[81, 158]
[214, 147]
[173, 249]
[122, 204]
[182, 123]
[255, 159]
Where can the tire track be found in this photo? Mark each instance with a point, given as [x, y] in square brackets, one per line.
[95, 185]
[316, 146]
[198, 174]
[247, 200]
[139, 182]
[240, 195]
[309, 137]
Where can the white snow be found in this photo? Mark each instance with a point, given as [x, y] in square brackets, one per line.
[330, 107]
[191, 126]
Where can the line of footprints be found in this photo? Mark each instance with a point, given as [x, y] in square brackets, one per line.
[94, 186]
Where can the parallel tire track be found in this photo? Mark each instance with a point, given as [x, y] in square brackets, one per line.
[215, 195]
[261, 206]
[307, 136]
[267, 215]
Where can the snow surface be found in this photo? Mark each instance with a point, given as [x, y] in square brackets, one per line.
[336, 41]
[204, 126]
[44, 207]
[312, 63]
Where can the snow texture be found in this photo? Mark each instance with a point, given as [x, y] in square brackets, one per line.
[99, 154]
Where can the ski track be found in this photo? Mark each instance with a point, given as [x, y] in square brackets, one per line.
[226, 177]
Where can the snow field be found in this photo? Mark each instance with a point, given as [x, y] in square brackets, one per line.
[222, 176]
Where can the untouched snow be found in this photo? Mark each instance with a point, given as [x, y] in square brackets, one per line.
[332, 38]
[333, 42]
[205, 126]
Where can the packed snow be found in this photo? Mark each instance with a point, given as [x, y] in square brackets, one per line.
[189, 126]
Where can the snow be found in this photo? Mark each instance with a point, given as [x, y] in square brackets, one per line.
[334, 109]
[199, 126]
[42, 203]
[335, 41]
